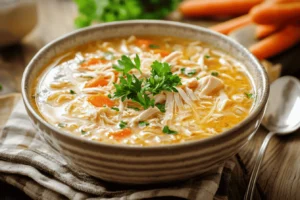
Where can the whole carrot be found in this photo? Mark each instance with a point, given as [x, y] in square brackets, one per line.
[228, 26]
[277, 42]
[275, 13]
[216, 7]
[263, 31]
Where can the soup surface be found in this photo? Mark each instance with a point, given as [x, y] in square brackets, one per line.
[144, 91]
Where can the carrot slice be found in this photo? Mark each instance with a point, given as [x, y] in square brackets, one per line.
[275, 13]
[230, 25]
[99, 81]
[93, 61]
[217, 7]
[100, 100]
[121, 134]
[163, 53]
[142, 42]
[277, 42]
[263, 31]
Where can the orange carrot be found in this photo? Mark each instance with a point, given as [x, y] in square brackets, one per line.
[99, 81]
[142, 42]
[100, 100]
[163, 53]
[266, 30]
[121, 134]
[216, 7]
[277, 42]
[93, 61]
[275, 13]
[232, 24]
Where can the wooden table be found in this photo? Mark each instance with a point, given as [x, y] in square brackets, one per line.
[280, 173]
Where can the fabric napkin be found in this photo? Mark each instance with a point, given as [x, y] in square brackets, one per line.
[31, 165]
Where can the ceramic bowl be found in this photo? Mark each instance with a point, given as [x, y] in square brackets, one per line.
[143, 165]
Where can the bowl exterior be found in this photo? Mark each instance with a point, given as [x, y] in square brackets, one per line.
[143, 165]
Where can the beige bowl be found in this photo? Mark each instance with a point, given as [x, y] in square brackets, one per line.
[141, 165]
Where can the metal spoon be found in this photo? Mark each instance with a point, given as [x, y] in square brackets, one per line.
[281, 118]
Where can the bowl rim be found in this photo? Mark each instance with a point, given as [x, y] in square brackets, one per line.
[256, 111]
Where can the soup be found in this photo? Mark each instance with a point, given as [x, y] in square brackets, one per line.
[144, 91]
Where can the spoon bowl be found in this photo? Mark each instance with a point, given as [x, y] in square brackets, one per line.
[282, 114]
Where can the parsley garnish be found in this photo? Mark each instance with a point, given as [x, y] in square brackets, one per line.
[167, 130]
[126, 64]
[83, 132]
[182, 70]
[134, 108]
[161, 79]
[207, 56]
[122, 124]
[1, 87]
[215, 74]
[249, 95]
[190, 73]
[161, 107]
[142, 123]
[109, 96]
[153, 46]
[61, 125]
[115, 10]
[72, 92]
[139, 90]
[115, 108]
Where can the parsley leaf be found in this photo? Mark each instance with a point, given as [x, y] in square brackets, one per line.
[153, 46]
[142, 123]
[161, 107]
[126, 64]
[134, 108]
[207, 56]
[115, 108]
[72, 92]
[167, 130]
[83, 132]
[1, 87]
[215, 74]
[161, 79]
[122, 124]
[249, 95]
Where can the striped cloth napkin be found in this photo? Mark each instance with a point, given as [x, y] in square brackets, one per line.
[29, 164]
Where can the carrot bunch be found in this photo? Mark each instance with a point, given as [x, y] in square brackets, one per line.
[278, 21]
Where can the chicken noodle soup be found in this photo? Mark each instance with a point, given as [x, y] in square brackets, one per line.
[144, 91]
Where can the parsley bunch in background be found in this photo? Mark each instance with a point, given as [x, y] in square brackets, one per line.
[115, 10]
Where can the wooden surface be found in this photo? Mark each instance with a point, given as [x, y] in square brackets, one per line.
[280, 174]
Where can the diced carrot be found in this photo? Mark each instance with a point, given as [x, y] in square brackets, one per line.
[121, 134]
[93, 61]
[100, 100]
[276, 13]
[217, 7]
[99, 81]
[263, 31]
[232, 24]
[277, 42]
[141, 42]
[163, 53]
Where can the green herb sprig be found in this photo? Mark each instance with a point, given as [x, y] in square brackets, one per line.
[143, 90]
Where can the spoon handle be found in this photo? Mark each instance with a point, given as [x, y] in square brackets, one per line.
[256, 168]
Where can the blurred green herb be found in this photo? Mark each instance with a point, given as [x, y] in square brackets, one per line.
[116, 10]
[1, 87]
[167, 130]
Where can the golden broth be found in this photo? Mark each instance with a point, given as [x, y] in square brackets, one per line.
[76, 92]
